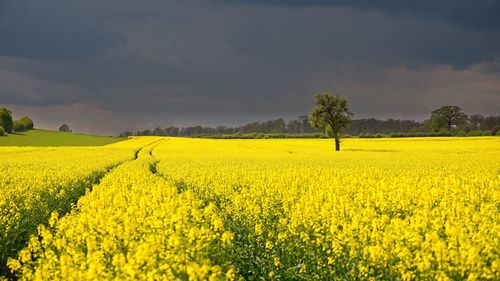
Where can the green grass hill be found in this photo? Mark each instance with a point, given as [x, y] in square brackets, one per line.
[54, 138]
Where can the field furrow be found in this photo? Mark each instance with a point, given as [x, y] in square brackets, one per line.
[198, 209]
[134, 225]
[37, 182]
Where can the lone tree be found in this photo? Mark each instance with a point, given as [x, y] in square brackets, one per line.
[331, 114]
[6, 120]
[447, 115]
[64, 128]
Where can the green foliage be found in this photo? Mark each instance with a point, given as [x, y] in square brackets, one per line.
[9, 125]
[443, 133]
[474, 133]
[28, 123]
[2, 131]
[372, 136]
[23, 124]
[18, 126]
[65, 128]
[437, 123]
[6, 120]
[331, 113]
[263, 136]
[476, 121]
[447, 116]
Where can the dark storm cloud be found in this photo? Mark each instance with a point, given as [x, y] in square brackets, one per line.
[53, 29]
[59, 29]
[148, 63]
[480, 14]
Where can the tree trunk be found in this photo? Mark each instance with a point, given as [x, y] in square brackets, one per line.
[449, 126]
[337, 143]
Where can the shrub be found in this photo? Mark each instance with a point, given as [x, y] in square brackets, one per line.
[2, 131]
[396, 135]
[443, 134]
[66, 128]
[475, 133]
[370, 136]
[28, 123]
[18, 126]
[23, 124]
[262, 136]
[6, 119]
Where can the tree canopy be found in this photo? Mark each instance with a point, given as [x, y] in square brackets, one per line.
[27, 122]
[6, 120]
[331, 114]
[23, 124]
[64, 128]
[447, 116]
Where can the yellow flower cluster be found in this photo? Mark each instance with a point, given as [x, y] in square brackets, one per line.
[381, 209]
[36, 181]
[134, 225]
[197, 209]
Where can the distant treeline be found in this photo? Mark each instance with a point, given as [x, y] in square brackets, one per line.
[300, 128]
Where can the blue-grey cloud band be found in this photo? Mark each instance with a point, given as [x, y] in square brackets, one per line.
[227, 62]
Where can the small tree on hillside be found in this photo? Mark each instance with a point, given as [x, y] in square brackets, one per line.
[331, 114]
[64, 128]
[6, 120]
[27, 122]
[2, 131]
[18, 126]
[448, 115]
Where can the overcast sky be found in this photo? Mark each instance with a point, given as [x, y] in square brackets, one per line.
[105, 66]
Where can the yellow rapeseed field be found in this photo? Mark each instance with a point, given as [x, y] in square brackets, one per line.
[36, 181]
[198, 209]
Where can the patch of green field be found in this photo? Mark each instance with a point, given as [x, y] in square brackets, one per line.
[54, 138]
